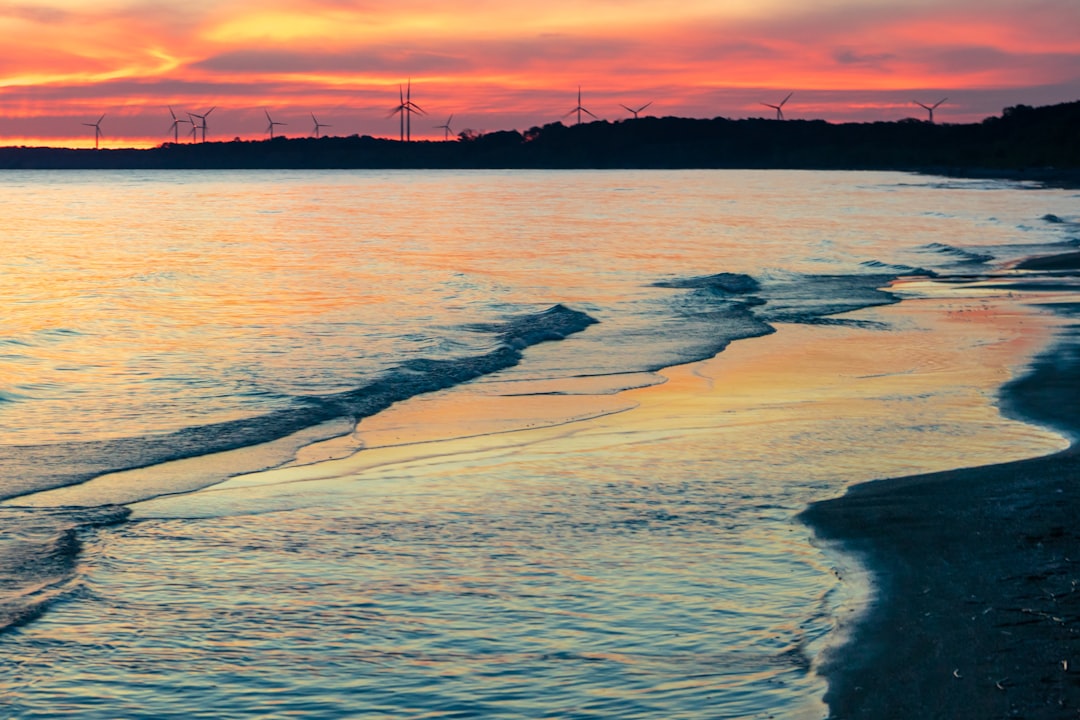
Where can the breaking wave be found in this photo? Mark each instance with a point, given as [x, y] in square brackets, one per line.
[961, 255]
[34, 468]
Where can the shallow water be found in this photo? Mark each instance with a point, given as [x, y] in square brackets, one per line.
[490, 550]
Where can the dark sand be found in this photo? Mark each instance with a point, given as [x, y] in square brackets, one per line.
[1064, 261]
[977, 572]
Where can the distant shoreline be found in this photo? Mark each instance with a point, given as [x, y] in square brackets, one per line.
[1023, 143]
[1047, 177]
[978, 569]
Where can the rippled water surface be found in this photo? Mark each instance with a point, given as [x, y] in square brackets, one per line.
[546, 522]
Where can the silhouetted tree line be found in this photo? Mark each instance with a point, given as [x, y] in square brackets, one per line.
[1037, 140]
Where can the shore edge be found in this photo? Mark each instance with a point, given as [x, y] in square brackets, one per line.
[976, 612]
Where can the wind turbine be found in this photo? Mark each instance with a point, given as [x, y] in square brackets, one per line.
[406, 107]
[175, 127]
[579, 109]
[446, 127]
[97, 130]
[632, 110]
[203, 119]
[930, 108]
[318, 125]
[194, 128]
[402, 110]
[410, 107]
[779, 108]
[270, 127]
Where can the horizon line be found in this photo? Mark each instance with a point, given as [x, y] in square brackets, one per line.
[80, 143]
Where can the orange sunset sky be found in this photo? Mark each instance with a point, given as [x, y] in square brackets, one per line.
[503, 64]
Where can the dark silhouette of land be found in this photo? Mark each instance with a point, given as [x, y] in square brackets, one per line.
[1041, 142]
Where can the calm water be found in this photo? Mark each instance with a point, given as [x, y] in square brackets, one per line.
[526, 531]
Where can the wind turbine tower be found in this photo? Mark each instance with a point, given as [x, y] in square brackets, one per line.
[202, 118]
[632, 110]
[318, 125]
[779, 108]
[406, 107]
[97, 130]
[175, 127]
[400, 111]
[579, 109]
[271, 124]
[410, 108]
[930, 108]
[446, 127]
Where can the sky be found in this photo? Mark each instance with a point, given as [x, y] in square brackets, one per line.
[503, 64]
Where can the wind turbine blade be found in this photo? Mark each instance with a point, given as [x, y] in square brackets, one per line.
[940, 101]
[629, 110]
[210, 111]
[787, 98]
[645, 106]
[588, 113]
[101, 118]
[171, 112]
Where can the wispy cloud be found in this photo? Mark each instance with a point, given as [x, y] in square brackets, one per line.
[286, 62]
[851, 56]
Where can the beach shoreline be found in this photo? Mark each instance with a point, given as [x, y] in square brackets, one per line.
[976, 573]
[736, 384]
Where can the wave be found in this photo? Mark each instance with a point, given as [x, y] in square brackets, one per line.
[799, 298]
[900, 268]
[704, 314]
[721, 308]
[34, 468]
[784, 297]
[725, 282]
[39, 552]
[962, 255]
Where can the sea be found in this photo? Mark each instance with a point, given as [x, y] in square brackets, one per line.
[479, 444]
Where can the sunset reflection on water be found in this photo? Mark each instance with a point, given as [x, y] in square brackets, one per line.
[579, 535]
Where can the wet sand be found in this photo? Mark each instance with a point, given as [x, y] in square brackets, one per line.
[977, 605]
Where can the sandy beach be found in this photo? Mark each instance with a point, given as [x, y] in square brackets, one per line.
[976, 612]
